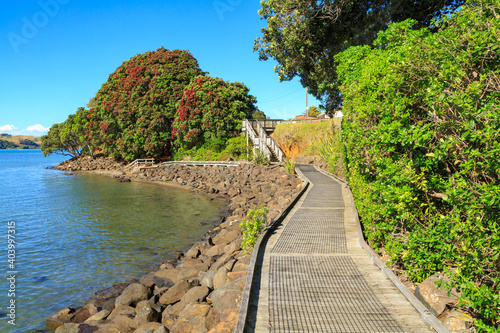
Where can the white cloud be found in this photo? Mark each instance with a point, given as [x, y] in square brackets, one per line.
[34, 130]
[37, 128]
[8, 129]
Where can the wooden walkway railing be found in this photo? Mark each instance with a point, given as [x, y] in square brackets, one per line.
[141, 162]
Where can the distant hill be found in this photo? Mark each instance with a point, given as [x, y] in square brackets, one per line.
[8, 141]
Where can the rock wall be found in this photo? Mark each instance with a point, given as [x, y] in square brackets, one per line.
[201, 290]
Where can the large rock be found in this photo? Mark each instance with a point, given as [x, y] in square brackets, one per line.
[192, 319]
[195, 294]
[151, 328]
[145, 315]
[68, 328]
[227, 297]
[103, 314]
[227, 325]
[111, 292]
[215, 251]
[455, 320]
[189, 262]
[133, 294]
[162, 282]
[207, 279]
[433, 298]
[124, 310]
[124, 323]
[60, 318]
[191, 272]
[175, 293]
[99, 326]
[84, 313]
[169, 316]
[220, 278]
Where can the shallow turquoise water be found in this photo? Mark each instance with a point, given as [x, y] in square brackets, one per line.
[77, 234]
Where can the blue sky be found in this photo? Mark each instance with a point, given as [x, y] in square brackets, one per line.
[56, 54]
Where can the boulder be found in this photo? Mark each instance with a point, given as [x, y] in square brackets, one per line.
[433, 298]
[175, 293]
[456, 320]
[151, 328]
[221, 261]
[60, 318]
[98, 326]
[240, 266]
[215, 251]
[220, 278]
[228, 325]
[169, 273]
[162, 282]
[124, 323]
[236, 275]
[68, 328]
[193, 252]
[189, 262]
[103, 314]
[227, 297]
[207, 279]
[192, 319]
[148, 280]
[84, 313]
[122, 311]
[133, 294]
[145, 315]
[191, 272]
[195, 294]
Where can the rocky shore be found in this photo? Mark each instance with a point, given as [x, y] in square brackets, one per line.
[201, 290]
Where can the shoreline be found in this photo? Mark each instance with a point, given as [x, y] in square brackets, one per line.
[201, 289]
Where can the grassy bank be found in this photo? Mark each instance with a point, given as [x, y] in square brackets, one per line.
[317, 141]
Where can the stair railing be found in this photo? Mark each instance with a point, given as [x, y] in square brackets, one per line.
[258, 142]
[269, 141]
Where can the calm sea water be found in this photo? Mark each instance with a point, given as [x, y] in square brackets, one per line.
[77, 234]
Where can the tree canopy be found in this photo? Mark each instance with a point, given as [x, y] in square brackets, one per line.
[304, 36]
[132, 114]
[68, 138]
[211, 110]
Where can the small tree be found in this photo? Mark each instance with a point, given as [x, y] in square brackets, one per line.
[313, 111]
[68, 138]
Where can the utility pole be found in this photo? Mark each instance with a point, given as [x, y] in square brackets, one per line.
[307, 107]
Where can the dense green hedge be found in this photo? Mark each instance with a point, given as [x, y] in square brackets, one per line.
[422, 140]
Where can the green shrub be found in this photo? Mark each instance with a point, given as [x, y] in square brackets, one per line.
[252, 226]
[289, 165]
[234, 148]
[421, 133]
[259, 158]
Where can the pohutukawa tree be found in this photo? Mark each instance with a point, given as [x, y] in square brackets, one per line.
[132, 114]
[211, 111]
[68, 138]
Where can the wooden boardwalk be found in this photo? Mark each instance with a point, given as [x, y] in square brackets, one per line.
[314, 276]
